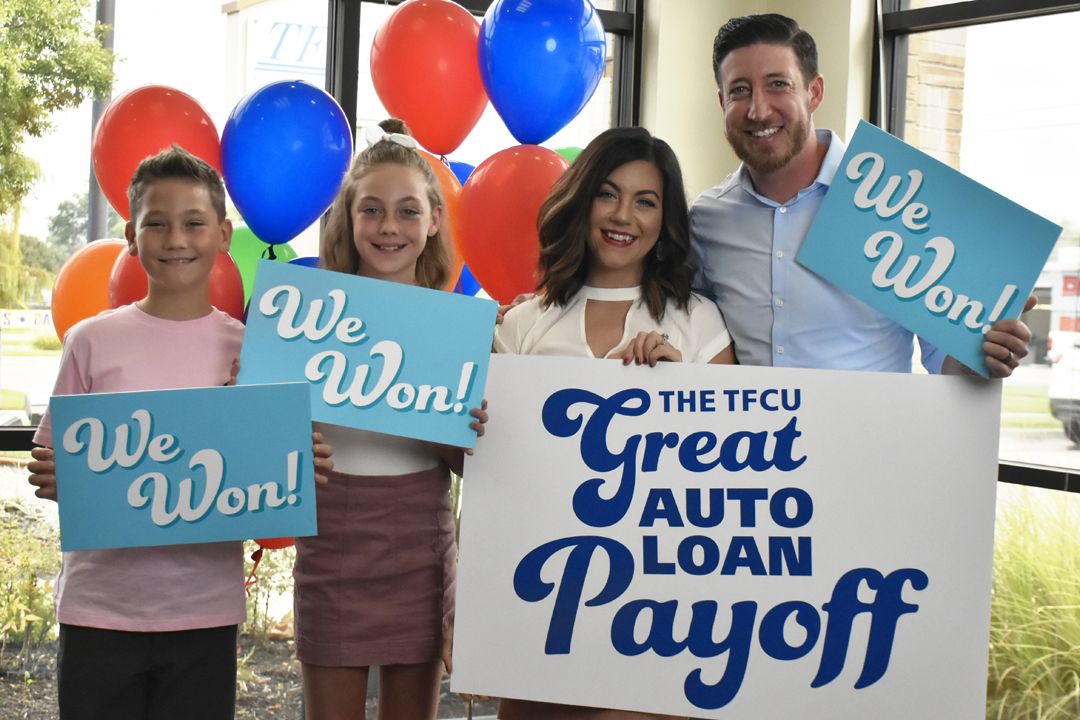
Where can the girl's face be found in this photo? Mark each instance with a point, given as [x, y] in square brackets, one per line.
[624, 224]
[392, 221]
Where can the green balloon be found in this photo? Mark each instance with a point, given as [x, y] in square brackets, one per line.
[569, 153]
[247, 250]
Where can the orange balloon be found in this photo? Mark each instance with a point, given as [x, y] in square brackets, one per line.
[128, 284]
[425, 71]
[141, 123]
[498, 237]
[81, 289]
[451, 191]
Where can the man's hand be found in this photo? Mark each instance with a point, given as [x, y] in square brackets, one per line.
[1005, 345]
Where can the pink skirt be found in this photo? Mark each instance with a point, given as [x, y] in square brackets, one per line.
[376, 585]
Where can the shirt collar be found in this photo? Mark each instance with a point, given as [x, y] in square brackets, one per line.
[829, 165]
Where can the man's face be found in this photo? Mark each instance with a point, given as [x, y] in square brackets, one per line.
[767, 105]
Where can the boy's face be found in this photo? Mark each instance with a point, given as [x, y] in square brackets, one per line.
[177, 235]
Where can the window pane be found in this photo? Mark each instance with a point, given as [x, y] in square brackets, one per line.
[490, 134]
[1007, 120]
[214, 55]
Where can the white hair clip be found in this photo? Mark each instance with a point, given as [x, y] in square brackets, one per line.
[374, 134]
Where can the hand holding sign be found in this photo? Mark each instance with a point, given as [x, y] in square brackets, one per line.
[935, 251]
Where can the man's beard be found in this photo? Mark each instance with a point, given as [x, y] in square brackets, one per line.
[767, 162]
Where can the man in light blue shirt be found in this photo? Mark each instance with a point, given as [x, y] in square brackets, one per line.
[747, 230]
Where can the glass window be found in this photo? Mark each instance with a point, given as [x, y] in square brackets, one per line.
[988, 100]
[490, 134]
[217, 54]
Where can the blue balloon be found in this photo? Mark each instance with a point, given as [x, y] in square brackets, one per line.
[462, 170]
[540, 63]
[284, 150]
[305, 261]
[466, 284]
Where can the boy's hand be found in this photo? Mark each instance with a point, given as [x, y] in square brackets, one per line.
[321, 452]
[481, 416]
[43, 472]
[234, 370]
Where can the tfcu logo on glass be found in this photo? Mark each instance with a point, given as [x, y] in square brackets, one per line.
[614, 463]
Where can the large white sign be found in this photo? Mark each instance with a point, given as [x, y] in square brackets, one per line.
[730, 542]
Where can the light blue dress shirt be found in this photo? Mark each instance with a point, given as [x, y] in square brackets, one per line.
[779, 313]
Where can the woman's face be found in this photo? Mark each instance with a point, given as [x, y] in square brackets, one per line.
[624, 224]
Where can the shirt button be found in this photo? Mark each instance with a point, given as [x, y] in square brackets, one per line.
[783, 209]
[779, 302]
[779, 253]
[780, 349]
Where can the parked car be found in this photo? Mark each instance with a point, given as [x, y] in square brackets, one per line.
[1063, 351]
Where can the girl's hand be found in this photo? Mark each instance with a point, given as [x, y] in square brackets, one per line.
[503, 309]
[43, 472]
[448, 648]
[321, 452]
[481, 416]
[650, 347]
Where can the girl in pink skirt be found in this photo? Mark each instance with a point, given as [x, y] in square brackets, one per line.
[376, 586]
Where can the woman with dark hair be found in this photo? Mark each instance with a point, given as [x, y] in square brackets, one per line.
[615, 275]
[615, 263]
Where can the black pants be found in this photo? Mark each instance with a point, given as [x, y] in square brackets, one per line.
[119, 675]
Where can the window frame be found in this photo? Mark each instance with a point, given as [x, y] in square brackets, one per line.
[893, 26]
[343, 66]
[343, 53]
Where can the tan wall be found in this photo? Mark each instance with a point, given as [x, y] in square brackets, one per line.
[679, 101]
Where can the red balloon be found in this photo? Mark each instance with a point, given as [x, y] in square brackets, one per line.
[451, 191]
[276, 543]
[81, 287]
[425, 70]
[128, 284]
[499, 206]
[141, 123]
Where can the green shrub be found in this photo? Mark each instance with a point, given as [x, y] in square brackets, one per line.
[47, 342]
[1035, 616]
[29, 562]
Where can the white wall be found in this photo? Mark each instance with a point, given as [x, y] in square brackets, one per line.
[679, 101]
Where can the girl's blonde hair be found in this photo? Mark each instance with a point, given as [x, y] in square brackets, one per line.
[338, 249]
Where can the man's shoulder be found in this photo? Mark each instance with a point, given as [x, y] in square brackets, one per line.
[717, 192]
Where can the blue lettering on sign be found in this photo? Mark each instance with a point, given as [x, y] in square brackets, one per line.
[660, 626]
[697, 452]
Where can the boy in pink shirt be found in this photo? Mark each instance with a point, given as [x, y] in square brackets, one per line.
[151, 632]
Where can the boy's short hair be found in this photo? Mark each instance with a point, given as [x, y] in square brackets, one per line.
[176, 163]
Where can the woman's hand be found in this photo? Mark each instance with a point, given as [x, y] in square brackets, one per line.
[651, 348]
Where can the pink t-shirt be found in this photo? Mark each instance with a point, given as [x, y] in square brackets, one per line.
[182, 587]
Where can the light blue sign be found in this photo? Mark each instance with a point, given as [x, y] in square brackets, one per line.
[932, 249]
[380, 356]
[171, 467]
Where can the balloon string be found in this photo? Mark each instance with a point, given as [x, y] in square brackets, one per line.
[256, 558]
[270, 253]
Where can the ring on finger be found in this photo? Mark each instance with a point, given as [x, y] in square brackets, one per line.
[1009, 358]
[663, 338]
